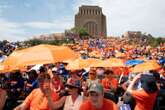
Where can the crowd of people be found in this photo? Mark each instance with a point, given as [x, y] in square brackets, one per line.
[53, 86]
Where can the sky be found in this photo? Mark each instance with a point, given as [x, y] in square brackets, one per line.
[23, 19]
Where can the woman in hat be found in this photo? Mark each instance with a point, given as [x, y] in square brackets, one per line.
[73, 100]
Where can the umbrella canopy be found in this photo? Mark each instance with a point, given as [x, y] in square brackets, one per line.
[40, 54]
[2, 68]
[77, 64]
[81, 63]
[111, 62]
[95, 54]
[149, 65]
[5, 68]
[119, 54]
[133, 62]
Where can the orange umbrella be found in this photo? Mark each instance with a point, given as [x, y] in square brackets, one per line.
[81, 63]
[77, 64]
[149, 65]
[95, 54]
[111, 62]
[119, 54]
[97, 63]
[40, 54]
[6, 68]
[2, 68]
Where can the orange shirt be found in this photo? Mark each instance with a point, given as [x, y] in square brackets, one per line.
[109, 83]
[144, 100]
[37, 101]
[107, 105]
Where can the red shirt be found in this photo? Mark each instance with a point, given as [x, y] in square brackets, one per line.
[107, 105]
[110, 83]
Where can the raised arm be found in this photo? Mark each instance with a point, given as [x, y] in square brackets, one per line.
[3, 95]
[131, 85]
[57, 104]
[21, 107]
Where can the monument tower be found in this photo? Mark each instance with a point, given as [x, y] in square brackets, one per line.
[92, 18]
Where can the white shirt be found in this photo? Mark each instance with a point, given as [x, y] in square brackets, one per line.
[89, 82]
[69, 105]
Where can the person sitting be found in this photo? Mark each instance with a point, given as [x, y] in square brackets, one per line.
[96, 99]
[109, 82]
[56, 83]
[92, 78]
[110, 85]
[37, 99]
[31, 82]
[74, 98]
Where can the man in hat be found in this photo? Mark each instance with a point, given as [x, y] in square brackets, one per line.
[96, 99]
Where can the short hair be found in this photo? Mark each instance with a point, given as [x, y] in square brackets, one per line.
[42, 69]
[43, 76]
[149, 83]
[108, 72]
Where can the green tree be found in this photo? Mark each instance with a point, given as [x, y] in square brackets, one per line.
[154, 42]
[33, 42]
[81, 31]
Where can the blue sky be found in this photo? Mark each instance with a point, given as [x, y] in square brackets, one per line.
[23, 19]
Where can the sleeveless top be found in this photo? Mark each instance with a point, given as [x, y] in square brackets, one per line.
[69, 105]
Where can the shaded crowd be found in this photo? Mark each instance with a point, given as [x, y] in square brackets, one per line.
[53, 86]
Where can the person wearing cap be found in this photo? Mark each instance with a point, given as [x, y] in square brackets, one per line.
[56, 83]
[96, 100]
[37, 99]
[73, 100]
[146, 96]
[31, 82]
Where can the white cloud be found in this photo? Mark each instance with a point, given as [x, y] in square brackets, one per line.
[59, 24]
[18, 31]
[123, 15]
[11, 31]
